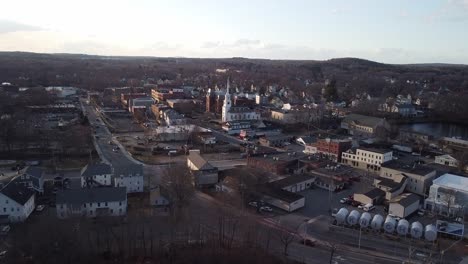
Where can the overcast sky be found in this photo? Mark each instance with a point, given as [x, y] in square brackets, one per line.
[392, 31]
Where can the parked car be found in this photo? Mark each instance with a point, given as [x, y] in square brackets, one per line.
[421, 212]
[4, 229]
[3, 253]
[40, 208]
[368, 207]
[115, 149]
[355, 203]
[344, 200]
[266, 209]
[253, 203]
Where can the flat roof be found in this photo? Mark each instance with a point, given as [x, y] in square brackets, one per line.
[408, 168]
[452, 181]
[376, 150]
[293, 179]
[280, 194]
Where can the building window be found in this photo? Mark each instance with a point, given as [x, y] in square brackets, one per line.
[98, 204]
[106, 203]
[6, 201]
[4, 209]
[120, 203]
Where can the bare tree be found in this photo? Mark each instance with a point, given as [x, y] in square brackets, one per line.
[180, 187]
[286, 238]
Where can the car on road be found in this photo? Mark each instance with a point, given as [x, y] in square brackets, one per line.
[4, 229]
[3, 253]
[115, 149]
[167, 147]
[253, 203]
[40, 208]
[266, 209]
[137, 137]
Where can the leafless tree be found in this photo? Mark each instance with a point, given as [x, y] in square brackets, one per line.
[180, 187]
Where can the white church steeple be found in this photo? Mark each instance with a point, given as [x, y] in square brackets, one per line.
[227, 103]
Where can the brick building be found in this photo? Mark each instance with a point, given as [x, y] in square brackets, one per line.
[333, 147]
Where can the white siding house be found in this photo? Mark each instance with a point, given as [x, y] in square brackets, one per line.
[94, 202]
[96, 175]
[130, 176]
[16, 202]
[404, 205]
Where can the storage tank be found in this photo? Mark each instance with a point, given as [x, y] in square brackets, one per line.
[416, 230]
[430, 233]
[402, 227]
[341, 215]
[377, 221]
[365, 220]
[390, 224]
[353, 217]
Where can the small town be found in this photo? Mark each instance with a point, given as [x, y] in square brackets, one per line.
[193, 132]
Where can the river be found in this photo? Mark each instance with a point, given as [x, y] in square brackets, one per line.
[438, 129]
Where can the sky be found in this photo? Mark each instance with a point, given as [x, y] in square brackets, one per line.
[390, 31]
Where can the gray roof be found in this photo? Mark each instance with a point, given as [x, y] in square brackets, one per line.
[406, 199]
[92, 195]
[17, 192]
[375, 193]
[35, 172]
[290, 180]
[96, 169]
[128, 170]
[408, 168]
[279, 194]
[199, 161]
[369, 121]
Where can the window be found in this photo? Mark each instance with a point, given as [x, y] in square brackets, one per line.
[84, 205]
[4, 209]
[6, 201]
[12, 209]
[98, 204]
[120, 203]
[61, 206]
[106, 203]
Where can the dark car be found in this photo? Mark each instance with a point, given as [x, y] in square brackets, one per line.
[308, 242]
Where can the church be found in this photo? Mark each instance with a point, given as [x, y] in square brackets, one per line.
[236, 113]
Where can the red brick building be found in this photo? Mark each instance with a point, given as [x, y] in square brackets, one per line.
[162, 94]
[275, 163]
[333, 147]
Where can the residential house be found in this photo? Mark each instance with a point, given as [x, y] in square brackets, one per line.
[129, 176]
[446, 160]
[369, 159]
[157, 198]
[33, 177]
[366, 126]
[204, 173]
[93, 175]
[419, 176]
[95, 202]
[17, 202]
[448, 195]
[405, 110]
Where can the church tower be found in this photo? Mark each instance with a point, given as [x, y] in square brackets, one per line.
[227, 104]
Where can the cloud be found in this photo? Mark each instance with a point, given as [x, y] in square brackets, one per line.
[459, 3]
[8, 26]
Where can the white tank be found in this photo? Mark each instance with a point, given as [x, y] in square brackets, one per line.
[430, 233]
[365, 220]
[402, 227]
[416, 230]
[377, 221]
[353, 217]
[341, 215]
[390, 224]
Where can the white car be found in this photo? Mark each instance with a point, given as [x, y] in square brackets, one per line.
[254, 204]
[4, 229]
[115, 149]
[3, 253]
[266, 209]
[40, 208]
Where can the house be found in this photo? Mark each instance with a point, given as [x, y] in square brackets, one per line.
[405, 110]
[295, 183]
[419, 176]
[367, 126]
[328, 183]
[172, 117]
[391, 186]
[204, 173]
[157, 198]
[282, 199]
[369, 159]
[407, 135]
[404, 205]
[93, 175]
[333, 148]
[17, 202]
[274, 141]
[448, 195]
[448, 160]
[94, 202]
[236, 113]
[235, 127]
[373, 196]
[129, 176]
[33, 177]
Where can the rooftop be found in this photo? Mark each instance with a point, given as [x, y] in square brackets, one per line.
[199, 161]
[96, 169]
[362, 120]
[129, 169]
[406, 199]
[17, 192]
[273, 191]
[93, 195]
[376, 150]
[408, 168]
[290, 180]
[35, 172]
[375, 193]
[452, 181]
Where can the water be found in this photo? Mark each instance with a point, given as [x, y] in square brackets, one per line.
[439, 129]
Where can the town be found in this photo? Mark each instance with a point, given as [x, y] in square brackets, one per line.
[162, 168]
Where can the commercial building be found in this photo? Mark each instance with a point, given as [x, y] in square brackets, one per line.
[143, 103]
[274, 141]
[183, 106]
[419, 176]
[106, 201]
[366, 158]
[275, 163]
[404, 205]
[333, 148]
[282, 199]
[295, 183]
[162, 94]
[448, 195]
[367, 126]
[374, 196]
[391, 186]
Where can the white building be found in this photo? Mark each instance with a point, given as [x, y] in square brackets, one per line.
[93, 175]
[94, 202]
[365, 158]
[129, 176]
[236, 113]
[404, 205]
[448, 195]
[16, 202]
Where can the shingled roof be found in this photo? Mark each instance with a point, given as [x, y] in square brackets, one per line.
[17, 192]
[96, 169]
[92, 195]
